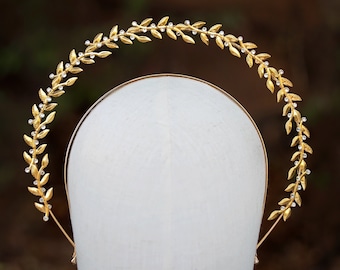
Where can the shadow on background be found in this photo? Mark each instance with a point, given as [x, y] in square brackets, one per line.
[302, 37]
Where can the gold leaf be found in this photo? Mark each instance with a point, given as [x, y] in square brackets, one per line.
[249, 45]
[40, 207]
[42, 95]
[280, 94]
[302, 165]
[171, 33]
[180, 26]
[71, 81]
[286, 82]
[133, 30]
[112, 45]
[114, 31]
[98, 38]
[250, 60]
[27, 158]
[188, 39]
[163, 21]
[73, 56]
[294, 97]
[204, 38]
[57, 93]
[50, 118]
[232, 38]
[198, 24]
[143, 39]
[40, 149]
[50, 106]
[288, 126]
[219, 42]
[290, 188]
[146, 22]
[303, 182]
[305, 131]
[284, 201]
[234, 51]
[297, 198]
[49, 194]
[286, 109]
[35, 110]
[87, 61]
[297, 116]
[45, 161]
[263, 56]
[291, 173]
[270, 85]
[215, 28]
[156, 34]
[295, 141]
[43, 134]
[36, 122]
[307, 148]
[125, 40]
[287, 213]
[273, 71]
[56, 80]
[75, 70]
[60, 67]
[260, 70]
[34, 171]
[295, 156]
[274, 215]
[104, 54]
[45, 179]
[91, 48]
[29, 141]
[34, 191]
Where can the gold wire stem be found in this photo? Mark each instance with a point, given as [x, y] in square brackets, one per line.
[269, 231]
[62, 229]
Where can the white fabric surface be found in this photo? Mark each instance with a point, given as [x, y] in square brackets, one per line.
[166, 173]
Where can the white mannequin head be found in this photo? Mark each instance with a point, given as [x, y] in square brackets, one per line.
[166, 172]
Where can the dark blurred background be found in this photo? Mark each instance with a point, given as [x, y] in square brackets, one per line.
[303, 38]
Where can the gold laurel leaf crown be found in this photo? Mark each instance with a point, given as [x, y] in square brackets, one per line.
[44, 113]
